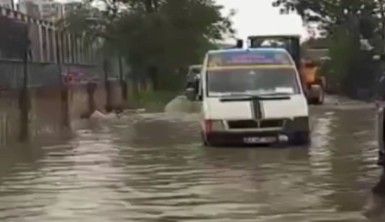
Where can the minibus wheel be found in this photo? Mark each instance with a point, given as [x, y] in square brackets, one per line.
[204, 140]
[300, 138]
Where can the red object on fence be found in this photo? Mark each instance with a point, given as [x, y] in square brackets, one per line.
[68, 78]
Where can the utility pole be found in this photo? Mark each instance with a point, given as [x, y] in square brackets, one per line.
[382, 18]
[123, 83]
[63, 85]
[13, 5]
[107, 84]
[24, 97]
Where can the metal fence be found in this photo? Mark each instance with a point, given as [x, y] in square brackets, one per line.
[51, 52]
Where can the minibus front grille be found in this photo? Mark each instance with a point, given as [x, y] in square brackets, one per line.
[255, 124]
[271, 123]
[243, 124]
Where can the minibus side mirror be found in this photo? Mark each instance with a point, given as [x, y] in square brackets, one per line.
[239, 44]
[190, 94]
[200, 97]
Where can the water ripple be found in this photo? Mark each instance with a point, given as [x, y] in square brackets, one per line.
[151, 167]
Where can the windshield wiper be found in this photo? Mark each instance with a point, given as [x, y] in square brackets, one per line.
[275, 94]
[243, 97]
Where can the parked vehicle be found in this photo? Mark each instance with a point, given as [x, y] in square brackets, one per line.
[379, 115]
[380, 112]
[193, 78]
[380, 133]
[252, 96]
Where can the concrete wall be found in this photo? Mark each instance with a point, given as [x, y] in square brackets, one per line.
[47, 113]
[45, 86]
[9, 117]
[46, 107]
[83, 62]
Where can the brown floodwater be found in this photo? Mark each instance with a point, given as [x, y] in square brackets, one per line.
[152, 167]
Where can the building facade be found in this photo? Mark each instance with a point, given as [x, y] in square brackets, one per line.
[6, 4]
[31, 10]
[66, 75]
[71, 6]
[49, 10]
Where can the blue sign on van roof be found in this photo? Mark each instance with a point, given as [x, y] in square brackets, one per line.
[245, 57]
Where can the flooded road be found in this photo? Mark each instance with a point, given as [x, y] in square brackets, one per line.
[152, 167]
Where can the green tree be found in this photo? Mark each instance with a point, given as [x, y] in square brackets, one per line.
[158, 38]
[327, 12]
[345, 23]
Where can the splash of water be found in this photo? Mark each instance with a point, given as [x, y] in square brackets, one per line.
[180, 104]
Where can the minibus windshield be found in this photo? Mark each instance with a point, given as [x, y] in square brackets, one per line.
[252, 81]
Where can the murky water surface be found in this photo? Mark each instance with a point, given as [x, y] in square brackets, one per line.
[152, 167]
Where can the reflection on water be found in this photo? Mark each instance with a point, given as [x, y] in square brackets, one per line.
[152, 167]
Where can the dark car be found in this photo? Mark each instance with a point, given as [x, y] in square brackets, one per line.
[193, 75]
[193, 78]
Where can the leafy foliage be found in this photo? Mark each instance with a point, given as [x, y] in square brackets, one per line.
[158, 38]
[346, 23]
[327, 12]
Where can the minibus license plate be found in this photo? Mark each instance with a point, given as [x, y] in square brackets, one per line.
[256, 140]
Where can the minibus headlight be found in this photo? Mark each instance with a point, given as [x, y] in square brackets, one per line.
[217, 125]
[214, 125]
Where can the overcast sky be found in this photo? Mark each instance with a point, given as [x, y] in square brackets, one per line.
[259, 17]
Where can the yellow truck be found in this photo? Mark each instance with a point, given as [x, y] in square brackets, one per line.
[313, 83]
